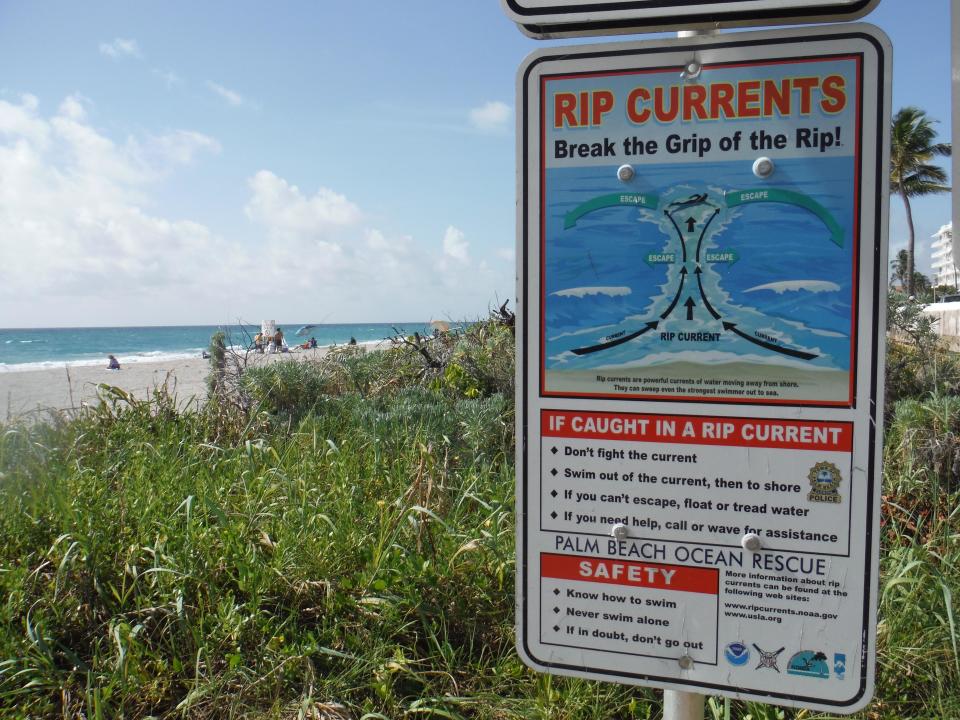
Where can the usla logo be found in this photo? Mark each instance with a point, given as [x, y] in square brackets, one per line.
[809, 663]
[737, 653]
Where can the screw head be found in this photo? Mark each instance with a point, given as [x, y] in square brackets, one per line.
[763, 167]
[625, 173]
[751, 542]
[685, 662]
[692, 70]
[620, 531]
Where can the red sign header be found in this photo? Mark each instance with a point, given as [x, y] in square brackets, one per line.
[694, 430]
[618, 572]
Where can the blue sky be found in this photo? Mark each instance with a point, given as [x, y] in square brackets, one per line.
[341, 161]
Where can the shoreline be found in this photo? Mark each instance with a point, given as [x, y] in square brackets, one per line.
[125, 360]
[34, 392]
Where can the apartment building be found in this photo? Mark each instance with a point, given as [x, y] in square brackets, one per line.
[945, 271]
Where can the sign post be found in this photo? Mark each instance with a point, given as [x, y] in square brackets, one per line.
[955, 124]
[678, 704]
[702, 249]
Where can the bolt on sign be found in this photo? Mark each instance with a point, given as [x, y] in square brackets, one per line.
[702, 255]
[560, 18]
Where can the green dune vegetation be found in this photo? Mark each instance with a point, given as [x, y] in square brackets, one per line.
[335, 539]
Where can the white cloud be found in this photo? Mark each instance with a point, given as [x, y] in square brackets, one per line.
[72, 222]
[72, 107]
[169, 78]
[455, 245]
[179, 147]
[232, 97]
[491, 117]
[120, 48]
[287, 210]
[319, 244]
[83, 242]
[20, 122]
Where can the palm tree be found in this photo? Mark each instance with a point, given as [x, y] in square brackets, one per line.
[912, 147]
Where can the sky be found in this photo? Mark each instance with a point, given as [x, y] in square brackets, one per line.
[324, 161]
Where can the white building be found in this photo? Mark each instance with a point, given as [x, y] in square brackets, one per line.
[945, 272]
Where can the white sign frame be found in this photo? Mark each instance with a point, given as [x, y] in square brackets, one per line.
[569, 18]
[864, 412]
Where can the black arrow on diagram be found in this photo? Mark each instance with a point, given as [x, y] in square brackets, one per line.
[698, 272]
[691, 224]
[768, 345]
[673, 222]
[673, 304]
[618, 341]
[689, 305]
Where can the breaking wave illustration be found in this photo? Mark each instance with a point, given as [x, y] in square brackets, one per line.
[581, 292]
[782, 286]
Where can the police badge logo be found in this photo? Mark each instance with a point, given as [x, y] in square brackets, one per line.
[824, 480]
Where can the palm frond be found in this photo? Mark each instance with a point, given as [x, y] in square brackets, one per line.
[912, 146]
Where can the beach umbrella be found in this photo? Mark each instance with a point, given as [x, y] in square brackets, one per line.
[305, 329]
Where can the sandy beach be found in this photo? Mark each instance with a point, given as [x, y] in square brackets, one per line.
[32, 393]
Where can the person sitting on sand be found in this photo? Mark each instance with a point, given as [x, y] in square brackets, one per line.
[313, 342]
[258, 342]
[353, 341]
[114, 364]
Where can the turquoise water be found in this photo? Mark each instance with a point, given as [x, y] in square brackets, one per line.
[25, 349]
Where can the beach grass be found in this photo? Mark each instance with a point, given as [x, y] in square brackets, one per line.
[339, 543]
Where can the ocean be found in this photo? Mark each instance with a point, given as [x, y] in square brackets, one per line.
[39, 348]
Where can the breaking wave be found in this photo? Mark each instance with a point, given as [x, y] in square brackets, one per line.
[579, 292]
[814, 286]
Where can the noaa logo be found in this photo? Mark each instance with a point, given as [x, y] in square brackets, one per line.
[737, 653]
[824, 480]
[809, 664]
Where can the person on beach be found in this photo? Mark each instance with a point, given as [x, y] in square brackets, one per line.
[258, 342]
[114, 364]
[313, 342]
[278, 341]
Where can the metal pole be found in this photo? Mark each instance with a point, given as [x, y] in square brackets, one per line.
[955, 64]
[677, 704]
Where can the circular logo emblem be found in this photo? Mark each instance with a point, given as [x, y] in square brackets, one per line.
[737, 653]
[824, 479]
